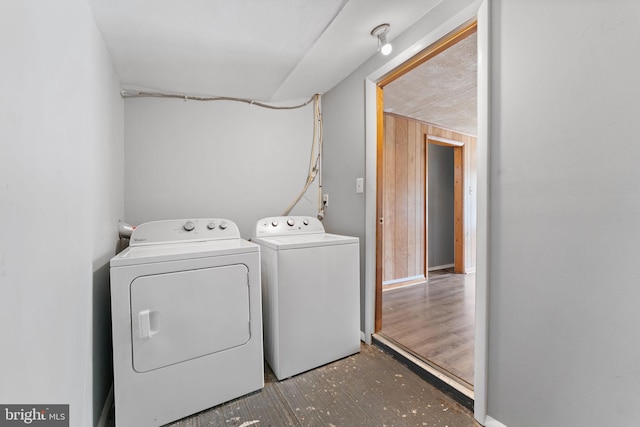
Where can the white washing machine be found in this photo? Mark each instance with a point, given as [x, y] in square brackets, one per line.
[187, 321]
[310, 294]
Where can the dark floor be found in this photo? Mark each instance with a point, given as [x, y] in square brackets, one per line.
[367, 389]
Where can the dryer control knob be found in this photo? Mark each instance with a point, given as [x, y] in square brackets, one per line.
[305, 221]
[223, 225]
[274, 223]
[211, 225]
[188, 226]
[291, 222]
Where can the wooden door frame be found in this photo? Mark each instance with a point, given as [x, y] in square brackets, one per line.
[459, 260]
[379, 205]
[394, 74]
[481, 14]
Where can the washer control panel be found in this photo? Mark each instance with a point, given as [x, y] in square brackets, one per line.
[184, 230]
[287, 225]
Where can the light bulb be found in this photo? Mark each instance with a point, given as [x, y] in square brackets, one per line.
[380, 32]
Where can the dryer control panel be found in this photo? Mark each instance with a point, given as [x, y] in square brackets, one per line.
[184, 230]
[287, 225]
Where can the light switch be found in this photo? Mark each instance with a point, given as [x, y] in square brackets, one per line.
[359, 185]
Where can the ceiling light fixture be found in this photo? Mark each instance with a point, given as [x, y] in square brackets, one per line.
[381, 33]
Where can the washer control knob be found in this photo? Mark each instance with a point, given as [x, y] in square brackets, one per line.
[223, 225]
[305, 221]
[211, 225]
[188, 226]
[291, 222]
[274, 223]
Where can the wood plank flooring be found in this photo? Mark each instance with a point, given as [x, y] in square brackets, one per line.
[435, 321]
[367, 389]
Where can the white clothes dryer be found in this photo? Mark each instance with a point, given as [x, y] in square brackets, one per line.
[310, 294]
[187, 321]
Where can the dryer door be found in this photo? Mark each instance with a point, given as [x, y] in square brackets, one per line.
[179, 316]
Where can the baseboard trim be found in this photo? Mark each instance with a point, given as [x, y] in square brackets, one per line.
[403, 280]
[419, 281]
[441, 267]
[492, 422]
[459, 392]
[108, 403]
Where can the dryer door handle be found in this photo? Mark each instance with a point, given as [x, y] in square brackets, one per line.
[148, 323]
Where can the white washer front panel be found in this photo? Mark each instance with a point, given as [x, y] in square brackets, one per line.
[318, 307]
[179, 316]
[311, 293]
[162, 395]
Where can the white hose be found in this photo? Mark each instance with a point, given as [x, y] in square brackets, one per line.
[314, 161]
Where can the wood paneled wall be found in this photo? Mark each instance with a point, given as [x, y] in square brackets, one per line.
[404, 247]
[404, 207]
[467, 172]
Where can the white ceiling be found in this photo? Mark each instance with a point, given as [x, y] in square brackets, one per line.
[442, 91]
[268, 50]
[281, 50]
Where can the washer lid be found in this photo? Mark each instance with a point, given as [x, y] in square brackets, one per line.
[304, 241]
[180, 251]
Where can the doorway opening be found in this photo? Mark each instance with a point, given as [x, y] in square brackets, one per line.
[429, 317]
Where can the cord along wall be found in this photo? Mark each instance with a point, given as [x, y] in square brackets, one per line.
[186, 158]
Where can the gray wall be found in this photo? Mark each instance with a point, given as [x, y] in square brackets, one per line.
[343, 162]
[344, 132]
[563, 291]
[216, 159]
[563, 336]
[61, 195]
[440, 203]
[563, 339]
[564, 298]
